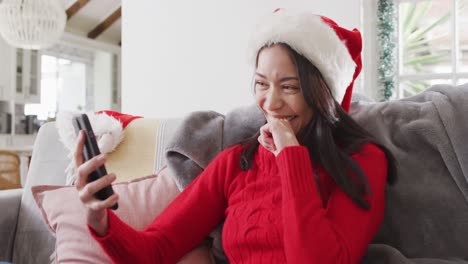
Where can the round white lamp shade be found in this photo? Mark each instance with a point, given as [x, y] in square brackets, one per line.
[32, 24]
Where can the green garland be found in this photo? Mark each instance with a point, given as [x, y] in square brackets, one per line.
[386, 29]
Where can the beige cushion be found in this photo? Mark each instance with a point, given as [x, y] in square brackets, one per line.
[135, 155]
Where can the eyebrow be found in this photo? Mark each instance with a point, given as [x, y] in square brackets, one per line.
[282, 79]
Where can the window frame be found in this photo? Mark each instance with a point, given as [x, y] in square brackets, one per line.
[455, 73]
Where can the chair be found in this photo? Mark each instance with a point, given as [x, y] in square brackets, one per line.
[9, 170]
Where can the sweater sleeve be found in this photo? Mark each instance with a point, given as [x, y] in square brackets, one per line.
[187, 220]
[339, 233]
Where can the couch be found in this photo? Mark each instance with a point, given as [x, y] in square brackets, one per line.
[24, 235]
[426, 217]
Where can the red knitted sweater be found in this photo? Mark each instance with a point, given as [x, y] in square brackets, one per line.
[273, 213]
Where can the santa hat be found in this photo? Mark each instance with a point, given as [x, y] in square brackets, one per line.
[108, 127]
[335, 51]
[124, 119]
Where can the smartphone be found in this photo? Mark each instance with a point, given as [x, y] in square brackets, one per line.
[90, 150]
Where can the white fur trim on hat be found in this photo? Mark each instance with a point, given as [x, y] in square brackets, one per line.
[107, 130]
[311, 37]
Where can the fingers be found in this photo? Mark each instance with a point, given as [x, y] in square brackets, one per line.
[96, 213]
[95, 208]
[266, 138]
[87, 168]
[277, 134]
[280, 125]
[283, 124]
[98, 205]
[265, 131]
[86, 193]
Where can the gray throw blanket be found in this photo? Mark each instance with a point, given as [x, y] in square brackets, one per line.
[426, 216]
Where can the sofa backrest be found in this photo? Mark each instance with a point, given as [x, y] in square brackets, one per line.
[34, 242]
[426, 214]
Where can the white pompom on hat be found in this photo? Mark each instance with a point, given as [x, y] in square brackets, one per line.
[335, 51]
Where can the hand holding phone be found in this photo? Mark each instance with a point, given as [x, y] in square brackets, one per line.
[90, 150]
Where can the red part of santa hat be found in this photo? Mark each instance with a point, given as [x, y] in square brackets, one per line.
[124, 119]
[335, 51]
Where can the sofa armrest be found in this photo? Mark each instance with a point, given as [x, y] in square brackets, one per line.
[10, 201]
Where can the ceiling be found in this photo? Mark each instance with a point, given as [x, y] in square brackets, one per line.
[95, 19]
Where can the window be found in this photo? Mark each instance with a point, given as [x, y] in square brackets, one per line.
[76, 79]
[433, 44]
[63, 87]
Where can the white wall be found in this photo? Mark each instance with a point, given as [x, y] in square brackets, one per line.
[6, 71]
[370, 85]
[102, 80]
[182, 56]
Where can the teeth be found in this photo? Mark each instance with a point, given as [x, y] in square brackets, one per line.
[286, 118]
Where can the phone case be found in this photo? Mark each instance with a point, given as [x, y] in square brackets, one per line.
[90, 150]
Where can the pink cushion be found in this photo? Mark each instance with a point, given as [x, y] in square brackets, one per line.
[140, 201]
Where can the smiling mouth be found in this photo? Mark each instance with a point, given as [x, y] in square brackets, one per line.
[288, 118]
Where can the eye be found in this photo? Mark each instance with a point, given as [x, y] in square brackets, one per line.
[290, 89]
[260, 85]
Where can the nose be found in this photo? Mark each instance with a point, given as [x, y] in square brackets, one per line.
[273, 100]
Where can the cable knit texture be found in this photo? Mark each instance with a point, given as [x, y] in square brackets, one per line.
[274, 213]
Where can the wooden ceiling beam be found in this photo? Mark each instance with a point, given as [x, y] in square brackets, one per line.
[105, 24]
[73, 9]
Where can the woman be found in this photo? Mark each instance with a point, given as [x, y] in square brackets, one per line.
[308, 188]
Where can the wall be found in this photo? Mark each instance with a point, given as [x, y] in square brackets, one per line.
[102, 80]
[6, 71]
[370, 85]
[182, 56]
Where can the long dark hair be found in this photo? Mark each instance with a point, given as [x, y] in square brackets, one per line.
[331, 136]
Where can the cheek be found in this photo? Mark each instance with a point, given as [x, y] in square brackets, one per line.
[308, 117]
[305, 112]
[259, 99]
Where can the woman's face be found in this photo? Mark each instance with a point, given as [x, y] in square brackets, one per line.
[277, 88]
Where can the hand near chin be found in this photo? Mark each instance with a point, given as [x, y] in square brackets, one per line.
[276, 135]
